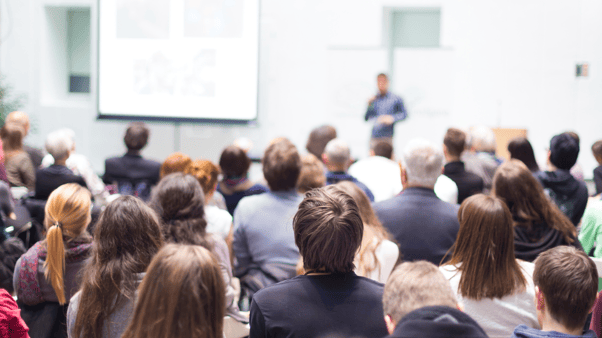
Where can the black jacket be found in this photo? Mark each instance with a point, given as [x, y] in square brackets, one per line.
[133, 174]
[530, 242]
[50, 178]
[467, 182]
[598, 179]
[437, 321]
[569, 194]
[424, 226]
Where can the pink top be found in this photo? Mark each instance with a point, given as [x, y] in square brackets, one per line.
[11, 323]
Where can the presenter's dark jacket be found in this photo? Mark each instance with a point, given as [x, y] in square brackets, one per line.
[424, 226]
[131, 169]
[388, 104]
[48, 179]
[329, 306]
[467, 182]
[570, 195]
[437, 321]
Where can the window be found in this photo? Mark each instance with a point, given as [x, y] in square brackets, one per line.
[78, 50]
[416, 27]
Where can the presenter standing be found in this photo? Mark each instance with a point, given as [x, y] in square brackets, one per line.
[386, 108]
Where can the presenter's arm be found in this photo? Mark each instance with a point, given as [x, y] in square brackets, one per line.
[371, 112]
[400, 112]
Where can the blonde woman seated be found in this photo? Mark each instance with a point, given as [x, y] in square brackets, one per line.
[180, 296]
[377, 255]
[495, 288]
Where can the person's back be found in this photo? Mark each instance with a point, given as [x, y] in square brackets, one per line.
[468, 183]
[569, 194]
[133, 174]
[330, 299]
[424, 226]
[379, 172]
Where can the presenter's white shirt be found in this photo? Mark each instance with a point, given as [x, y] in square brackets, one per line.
[380, 174]
[499, 316]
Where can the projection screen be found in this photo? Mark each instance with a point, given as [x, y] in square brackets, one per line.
[178, 59]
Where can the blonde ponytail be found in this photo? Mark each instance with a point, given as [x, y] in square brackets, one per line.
[54, 266]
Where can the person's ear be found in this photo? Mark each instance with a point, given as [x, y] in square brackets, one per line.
[324, 158]
[390, 324]
[460, 307]
[372, 152]
[540, 302]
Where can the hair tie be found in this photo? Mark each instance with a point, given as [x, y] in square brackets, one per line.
[58, 225]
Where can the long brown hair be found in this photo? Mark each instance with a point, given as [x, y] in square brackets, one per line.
[182, 295]
[12, 139]
[374, 232]
[514, 184]
[67, 215]
[179, 200]
[126, 238]
[484, 250]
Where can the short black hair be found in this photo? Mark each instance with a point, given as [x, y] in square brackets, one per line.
[136, 136]
[564, 150]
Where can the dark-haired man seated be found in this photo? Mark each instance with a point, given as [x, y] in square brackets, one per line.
[566, 284]
[569, 194]
[330, 300]
[419, 302]
[467, 182]
[133, 174]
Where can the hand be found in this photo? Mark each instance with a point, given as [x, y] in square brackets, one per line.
[372, 99]
[385, 119]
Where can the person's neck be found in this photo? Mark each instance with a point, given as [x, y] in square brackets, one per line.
[62, 161]
[414, 185]
[133, 152]
[450, 159]
[548, 324]
[382, 93]
[336, 168]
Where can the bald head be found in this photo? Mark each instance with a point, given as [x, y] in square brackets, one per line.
[19, 118]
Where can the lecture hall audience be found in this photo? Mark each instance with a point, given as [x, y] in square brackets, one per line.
[21, 119]
[484, 284]
[19, 169]
[424, 226]
[493, 286]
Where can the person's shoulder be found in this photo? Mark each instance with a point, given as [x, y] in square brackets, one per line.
[280, 289]
[258, 188]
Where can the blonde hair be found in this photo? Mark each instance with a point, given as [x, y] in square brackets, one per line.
[206, 172]
[67, 215]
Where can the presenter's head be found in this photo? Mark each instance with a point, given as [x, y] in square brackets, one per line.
[136, 136]
[382, 80]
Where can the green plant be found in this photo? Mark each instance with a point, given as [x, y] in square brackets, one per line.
[9, 102]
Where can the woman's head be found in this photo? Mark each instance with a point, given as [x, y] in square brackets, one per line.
[234, 162]
[67, 216]
[520, 148]
[127, 237]
[206, 172]
[514, 184]
[485, 249]
[175, 163]
[182, 295]
[312, 174]
[12, 136]
[179, 201]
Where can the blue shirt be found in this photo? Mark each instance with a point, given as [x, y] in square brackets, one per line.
[522, 331]
[388, 104]
[336, 177]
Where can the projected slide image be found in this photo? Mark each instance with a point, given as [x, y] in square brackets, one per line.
[213, 18]
[162, 75]
[143, 19]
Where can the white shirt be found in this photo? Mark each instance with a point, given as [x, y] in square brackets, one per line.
[219, 221]
[446, 189]
[380, 174]
[387, 254]
[499, 316]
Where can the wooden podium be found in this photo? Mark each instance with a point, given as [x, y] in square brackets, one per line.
[503, 137]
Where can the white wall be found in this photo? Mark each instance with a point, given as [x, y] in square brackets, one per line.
[505, 63]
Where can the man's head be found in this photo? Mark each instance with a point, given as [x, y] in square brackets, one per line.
[481, 139]
[19, 118]
[414, 285]
[59, 144]
[318, 138]
[453, 144]
[564, 150]
[382, 148]
[281, 165]
[566, 285]
[382, 80]
[337, 156]
[136, 136]
[422, 164]
[597, 151]
[328, 230]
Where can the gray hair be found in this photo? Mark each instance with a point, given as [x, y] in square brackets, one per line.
[422, 162]
[337, 151]
[481, 138]
[59, 143]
